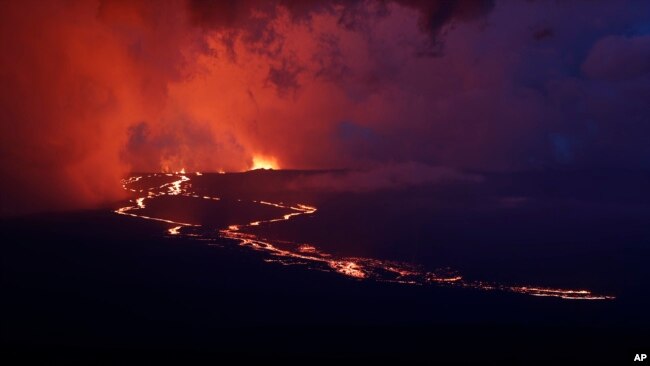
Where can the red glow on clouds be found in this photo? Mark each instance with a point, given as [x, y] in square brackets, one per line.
[94, 89]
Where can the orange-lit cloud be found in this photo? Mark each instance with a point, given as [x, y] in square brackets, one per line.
[93, 89]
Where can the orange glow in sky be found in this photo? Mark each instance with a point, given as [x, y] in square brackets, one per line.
[264, 162]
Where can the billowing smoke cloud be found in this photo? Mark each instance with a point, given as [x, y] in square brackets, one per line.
[75, 75]
[92, 90]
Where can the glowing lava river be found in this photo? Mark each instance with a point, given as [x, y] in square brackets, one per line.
[290, 253]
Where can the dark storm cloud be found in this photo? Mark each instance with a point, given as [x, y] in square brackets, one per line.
[434, 15]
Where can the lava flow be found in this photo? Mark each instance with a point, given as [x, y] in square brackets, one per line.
[290, 253]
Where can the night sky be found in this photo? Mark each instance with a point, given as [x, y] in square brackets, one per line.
[92, 90]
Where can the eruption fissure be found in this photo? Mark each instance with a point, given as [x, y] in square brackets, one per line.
[291, 253]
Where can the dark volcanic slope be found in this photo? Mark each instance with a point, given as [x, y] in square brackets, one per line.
[95, 284]
[210, 213]
[578, 229]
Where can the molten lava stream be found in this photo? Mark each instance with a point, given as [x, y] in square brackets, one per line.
[307, 255]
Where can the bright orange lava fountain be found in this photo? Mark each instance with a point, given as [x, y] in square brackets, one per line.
[264, 162]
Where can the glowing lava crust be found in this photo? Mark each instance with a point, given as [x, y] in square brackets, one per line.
[289, 253]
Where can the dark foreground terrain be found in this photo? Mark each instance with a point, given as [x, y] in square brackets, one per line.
[94, 287]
